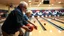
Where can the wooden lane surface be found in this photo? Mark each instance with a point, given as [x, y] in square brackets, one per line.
[59, 19]
[55, 22]
[51, 30]
[48, 25]
[38, 32]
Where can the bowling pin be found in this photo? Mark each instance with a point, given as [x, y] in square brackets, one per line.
[46, 16]
[54, 15]
[49, 15]
[38, 16]
[58, 16]
[42, 16]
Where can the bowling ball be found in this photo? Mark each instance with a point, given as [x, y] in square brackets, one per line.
[31, 27]
[44, 23]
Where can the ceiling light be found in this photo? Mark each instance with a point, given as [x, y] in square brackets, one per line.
[40, 2]
[29, 1]
[52, 4]
[59, 2]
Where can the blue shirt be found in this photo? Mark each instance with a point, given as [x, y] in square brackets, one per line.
[26, 18]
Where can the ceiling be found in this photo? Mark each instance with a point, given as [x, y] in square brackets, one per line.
[9, 2]
[34, 3]
[53, 3]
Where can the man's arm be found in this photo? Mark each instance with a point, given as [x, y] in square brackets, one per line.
[33, 24]
[27, 19]
[20, 20]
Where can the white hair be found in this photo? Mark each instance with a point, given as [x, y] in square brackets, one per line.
[23, 3]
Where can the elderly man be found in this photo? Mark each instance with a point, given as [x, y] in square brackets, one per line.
[15, 21]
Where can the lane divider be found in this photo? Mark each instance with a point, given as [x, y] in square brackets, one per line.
[27, 33]
[57, 20]
[41, 24]
[58, 27]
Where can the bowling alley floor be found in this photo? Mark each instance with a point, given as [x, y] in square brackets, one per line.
[47, 26]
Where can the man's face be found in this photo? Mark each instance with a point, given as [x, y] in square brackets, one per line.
[24, 9]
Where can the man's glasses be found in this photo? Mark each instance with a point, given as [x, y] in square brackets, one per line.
[25, 7]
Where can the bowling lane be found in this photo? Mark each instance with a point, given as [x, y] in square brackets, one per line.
[38, 32]
[55, 22]
[59, 19]
[51, 30]
[48, 25]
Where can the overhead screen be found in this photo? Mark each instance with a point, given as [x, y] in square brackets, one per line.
[46, 2]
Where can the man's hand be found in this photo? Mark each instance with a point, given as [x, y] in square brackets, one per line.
[26, 28]
[35, 26]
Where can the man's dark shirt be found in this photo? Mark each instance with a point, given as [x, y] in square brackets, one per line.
[14, 21]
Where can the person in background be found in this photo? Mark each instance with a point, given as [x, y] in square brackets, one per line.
[28, 18]
[15, 21]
